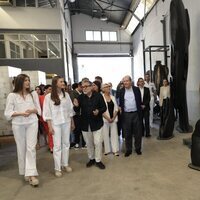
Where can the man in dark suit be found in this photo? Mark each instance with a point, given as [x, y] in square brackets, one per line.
[145, 98]
[130, 104]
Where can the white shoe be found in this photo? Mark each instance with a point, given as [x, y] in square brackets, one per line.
[33, 181]
[67, 169]
[58, 173]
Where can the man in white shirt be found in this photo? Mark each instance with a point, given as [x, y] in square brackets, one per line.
[152, 89]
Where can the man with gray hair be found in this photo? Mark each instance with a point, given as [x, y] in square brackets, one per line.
[130, 104]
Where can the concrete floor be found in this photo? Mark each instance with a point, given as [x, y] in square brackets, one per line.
[161, 173]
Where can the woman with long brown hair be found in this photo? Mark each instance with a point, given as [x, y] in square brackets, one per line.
[22, 108]
[58, 113]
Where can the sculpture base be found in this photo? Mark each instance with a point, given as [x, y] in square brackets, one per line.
[190, 130]
[159, 138]
[194, 167]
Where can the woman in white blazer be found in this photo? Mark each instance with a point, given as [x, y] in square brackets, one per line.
[22, 108]
[58, 113]
[110, 122]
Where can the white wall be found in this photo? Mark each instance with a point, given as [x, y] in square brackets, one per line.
[29, 18]
[153, 35]
[82, 22]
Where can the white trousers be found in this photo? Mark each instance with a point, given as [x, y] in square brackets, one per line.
[113, 139]
[93, 141]
[26, 140]
[151, 111]
[61, 145]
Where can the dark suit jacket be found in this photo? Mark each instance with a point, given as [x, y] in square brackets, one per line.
[137, 94]
[146, 98]
[86, 107]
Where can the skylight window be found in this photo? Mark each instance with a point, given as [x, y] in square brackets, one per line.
[140, 11]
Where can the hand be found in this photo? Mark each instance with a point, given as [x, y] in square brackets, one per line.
[111, 120]
[75, 102]
[143, 107]
[96, 112]
[72, 126]
[51, 131]
[25, 114]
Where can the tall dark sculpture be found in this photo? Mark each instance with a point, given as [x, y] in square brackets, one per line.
[160, 72]
[180, 36]
[195, 148]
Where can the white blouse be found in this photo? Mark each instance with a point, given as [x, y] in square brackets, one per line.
[16, 103]
[58, 114]
[164, 93]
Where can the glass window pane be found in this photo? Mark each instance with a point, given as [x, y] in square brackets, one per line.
[28, 37]
[53, 37]
[132, 25]
[20, 3]
[30, 3]
[105, 35]
[27, 47]
[12, 46]
[13, 54]
[89, 35]
[113, 36]
[1, 37]
[54, 49]
[97, 35]
[39, 37]
[140, 10]
[40, 49]
[2, 50]
[11, 37]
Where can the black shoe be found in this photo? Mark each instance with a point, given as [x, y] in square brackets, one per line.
[127, 154]
[90, 163]
[138, 151]
[148, 135]
[100, 165]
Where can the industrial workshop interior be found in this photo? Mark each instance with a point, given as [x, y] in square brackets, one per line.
[99, 100]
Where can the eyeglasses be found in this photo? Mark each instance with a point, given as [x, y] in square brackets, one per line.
[86, 86]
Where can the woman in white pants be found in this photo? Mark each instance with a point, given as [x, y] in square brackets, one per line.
[110, 122]
[58, 113]
[22, 108]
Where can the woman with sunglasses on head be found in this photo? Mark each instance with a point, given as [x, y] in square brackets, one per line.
[58, 113]
[22, 108]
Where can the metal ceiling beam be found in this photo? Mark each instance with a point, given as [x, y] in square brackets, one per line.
[126, 9]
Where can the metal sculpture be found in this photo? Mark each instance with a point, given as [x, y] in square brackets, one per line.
[180, 37]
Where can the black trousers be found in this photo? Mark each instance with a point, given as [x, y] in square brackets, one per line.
[145, 122]
[77, 131]
[132, 128]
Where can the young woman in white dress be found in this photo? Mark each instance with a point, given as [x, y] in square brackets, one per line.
[58, 113]
[22, 108]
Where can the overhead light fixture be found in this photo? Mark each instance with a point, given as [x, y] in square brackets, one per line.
[103, 16]
[72, 1]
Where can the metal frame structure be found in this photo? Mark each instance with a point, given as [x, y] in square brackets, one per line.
[151, 49]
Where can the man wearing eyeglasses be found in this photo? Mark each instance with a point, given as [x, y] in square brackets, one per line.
[91, 106]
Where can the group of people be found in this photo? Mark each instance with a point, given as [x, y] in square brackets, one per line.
[93, 111]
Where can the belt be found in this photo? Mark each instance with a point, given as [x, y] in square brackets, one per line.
[131, 112]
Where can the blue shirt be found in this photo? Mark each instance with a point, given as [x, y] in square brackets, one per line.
[129, 101]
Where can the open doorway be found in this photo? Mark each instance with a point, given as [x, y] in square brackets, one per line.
[111, 69]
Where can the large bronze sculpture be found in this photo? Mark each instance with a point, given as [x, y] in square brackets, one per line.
[160, 72]
[180, 37]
